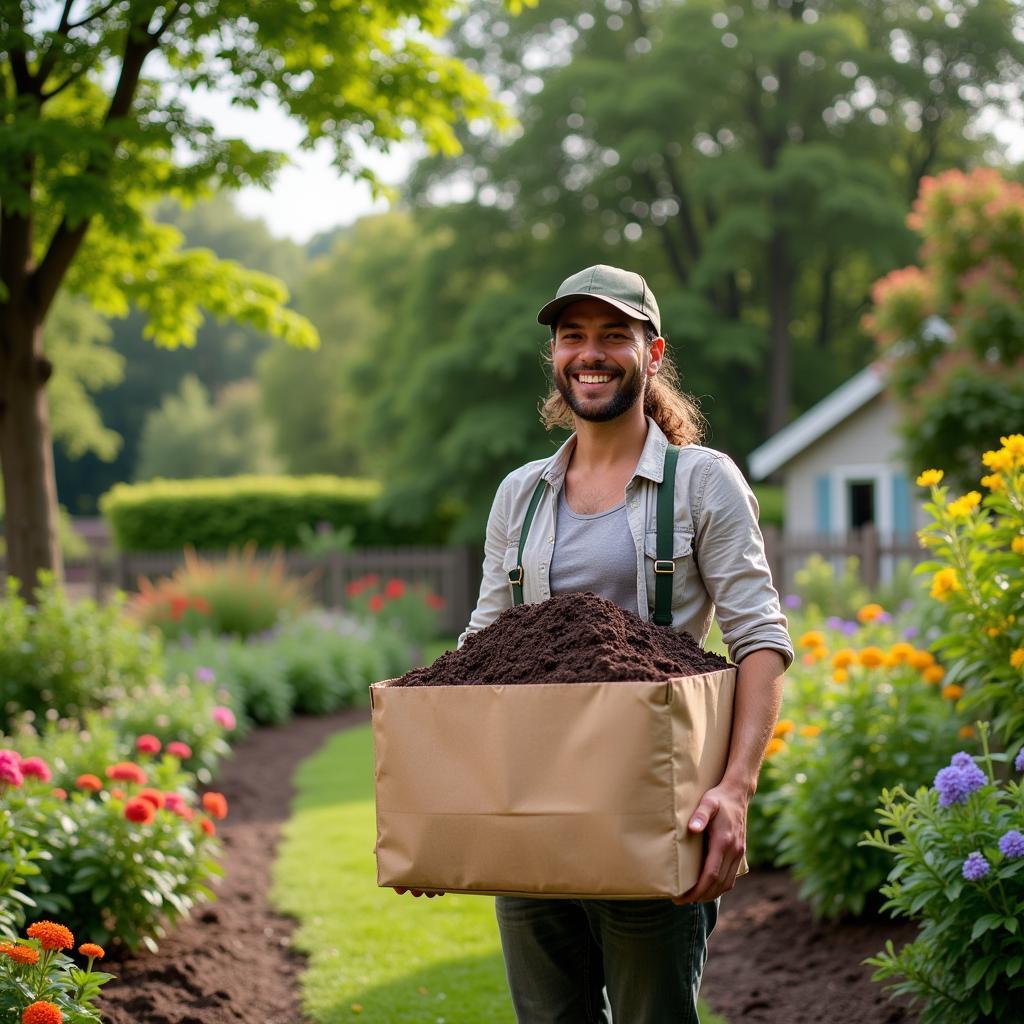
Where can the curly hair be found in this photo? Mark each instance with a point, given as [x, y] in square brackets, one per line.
[677, 414]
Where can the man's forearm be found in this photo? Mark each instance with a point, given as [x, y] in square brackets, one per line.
[755, 710]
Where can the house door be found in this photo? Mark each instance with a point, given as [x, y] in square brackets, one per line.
[860, 504]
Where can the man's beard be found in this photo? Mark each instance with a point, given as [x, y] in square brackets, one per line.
[627, 394]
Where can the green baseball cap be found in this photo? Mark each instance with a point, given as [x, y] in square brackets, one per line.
[622, 289]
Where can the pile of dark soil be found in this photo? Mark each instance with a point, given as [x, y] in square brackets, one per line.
[571, 638]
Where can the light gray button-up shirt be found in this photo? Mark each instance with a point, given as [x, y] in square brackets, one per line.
[717, 547]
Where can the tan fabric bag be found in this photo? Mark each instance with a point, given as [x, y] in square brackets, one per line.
[553, 789]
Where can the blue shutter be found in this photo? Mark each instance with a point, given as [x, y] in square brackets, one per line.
[901, 518]
[823, 490]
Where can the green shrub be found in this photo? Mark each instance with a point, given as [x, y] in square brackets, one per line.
[215, 513]
[65, 656]
[881, 725]
[959, 872]
[240, 594]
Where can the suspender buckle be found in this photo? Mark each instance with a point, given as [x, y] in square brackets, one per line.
[665, 565]
[515, 576]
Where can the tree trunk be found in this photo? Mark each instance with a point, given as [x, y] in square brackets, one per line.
[26, 449]
[780, 301]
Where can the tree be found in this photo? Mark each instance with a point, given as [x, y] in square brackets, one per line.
[87, 143]
[951, 329]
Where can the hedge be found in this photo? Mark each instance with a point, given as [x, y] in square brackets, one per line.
[217, 513]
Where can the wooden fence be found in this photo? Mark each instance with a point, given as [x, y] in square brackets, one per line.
[451, 572]
[877, 553]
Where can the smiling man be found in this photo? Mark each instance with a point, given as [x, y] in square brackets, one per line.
[589, 514]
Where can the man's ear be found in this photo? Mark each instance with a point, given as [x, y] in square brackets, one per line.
[657, 353]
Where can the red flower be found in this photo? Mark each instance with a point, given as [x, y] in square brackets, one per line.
[180, 750]
[376, 603]
[371, 579]
[140, 811]
[215, 804]
[394, 589]
[355, 588]
[88, 781]
[127, 771]
[154, 796]
[174, 802]
[435, 601]
[37, 768]
[208, 826]
[147, 744]
[201, 605]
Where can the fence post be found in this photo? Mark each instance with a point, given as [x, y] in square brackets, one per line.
[869, 567]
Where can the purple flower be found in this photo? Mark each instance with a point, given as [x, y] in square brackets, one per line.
[885, 617]
[906, 605]
[205, 674]
[956, 783]
[1011, 845]
[975, 867]
[792, 601]
[849, 628]
[1019, 762]
[910, 632]
[834, 622]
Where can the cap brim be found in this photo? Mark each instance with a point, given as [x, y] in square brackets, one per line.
[549, 313]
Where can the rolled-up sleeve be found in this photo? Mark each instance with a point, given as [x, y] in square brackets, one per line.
[731, 560]
[495, 594]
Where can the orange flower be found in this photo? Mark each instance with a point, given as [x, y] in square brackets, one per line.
[952, 692]
[62, 794]
[840, 675]
[966, 732]
[51, 935]
[41, 1012]
[869, 612]
[91, 949]
[921, 659]
[821, 653]
[810, 731]
[871, 657]
[20, 954]
[142, 812]
[813, 638]
[775, 746]
[933, 674]
[154, 796]
[901, 651]
[127, 771]
[844, 658]
[207, 826]
[216, 805]
[117, 793]
[91, 782]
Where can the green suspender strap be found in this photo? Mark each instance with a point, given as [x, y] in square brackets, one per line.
[664, 567]
[515, 576]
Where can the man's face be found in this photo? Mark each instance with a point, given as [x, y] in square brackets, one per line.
[600, 360]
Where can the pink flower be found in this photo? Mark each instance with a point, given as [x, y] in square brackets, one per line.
[224, 716]
[37, 768]
[174, 802]
[10, 772]
[147, 744]
[180, 750]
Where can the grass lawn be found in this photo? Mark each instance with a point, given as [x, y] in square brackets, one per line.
[376, 956]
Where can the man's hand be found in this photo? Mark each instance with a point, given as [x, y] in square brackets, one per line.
[722, 813]
[429, 893]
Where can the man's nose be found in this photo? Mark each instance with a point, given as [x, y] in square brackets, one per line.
[593, 349]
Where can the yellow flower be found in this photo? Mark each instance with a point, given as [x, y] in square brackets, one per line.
[929, 478]
[782, 726]
[1017, 657]
[933, 674]
[994, 482]
[944, 583]
[810, 730]
[993, 631]
[1014, 445]
[1000, 461]
[821, 653]
[840, 675]
[775, 746]
[922, 659]
[1017, 545]
[901, 652]
[843, 658]
[952, 692]
[964, 505]
[966, 732]
[812, 639]
[870, 612]
[871, 657]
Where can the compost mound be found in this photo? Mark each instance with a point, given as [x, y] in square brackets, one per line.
[571, 638]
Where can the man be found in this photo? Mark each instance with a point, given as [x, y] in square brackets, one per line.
[594, 529]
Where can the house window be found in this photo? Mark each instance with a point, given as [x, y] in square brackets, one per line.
[861, 503]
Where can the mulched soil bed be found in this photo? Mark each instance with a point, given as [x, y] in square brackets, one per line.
[232, 960]
[770, 962]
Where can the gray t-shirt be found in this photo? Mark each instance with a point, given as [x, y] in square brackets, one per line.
[594, 553]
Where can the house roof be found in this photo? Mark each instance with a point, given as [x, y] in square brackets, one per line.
[816, 422]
